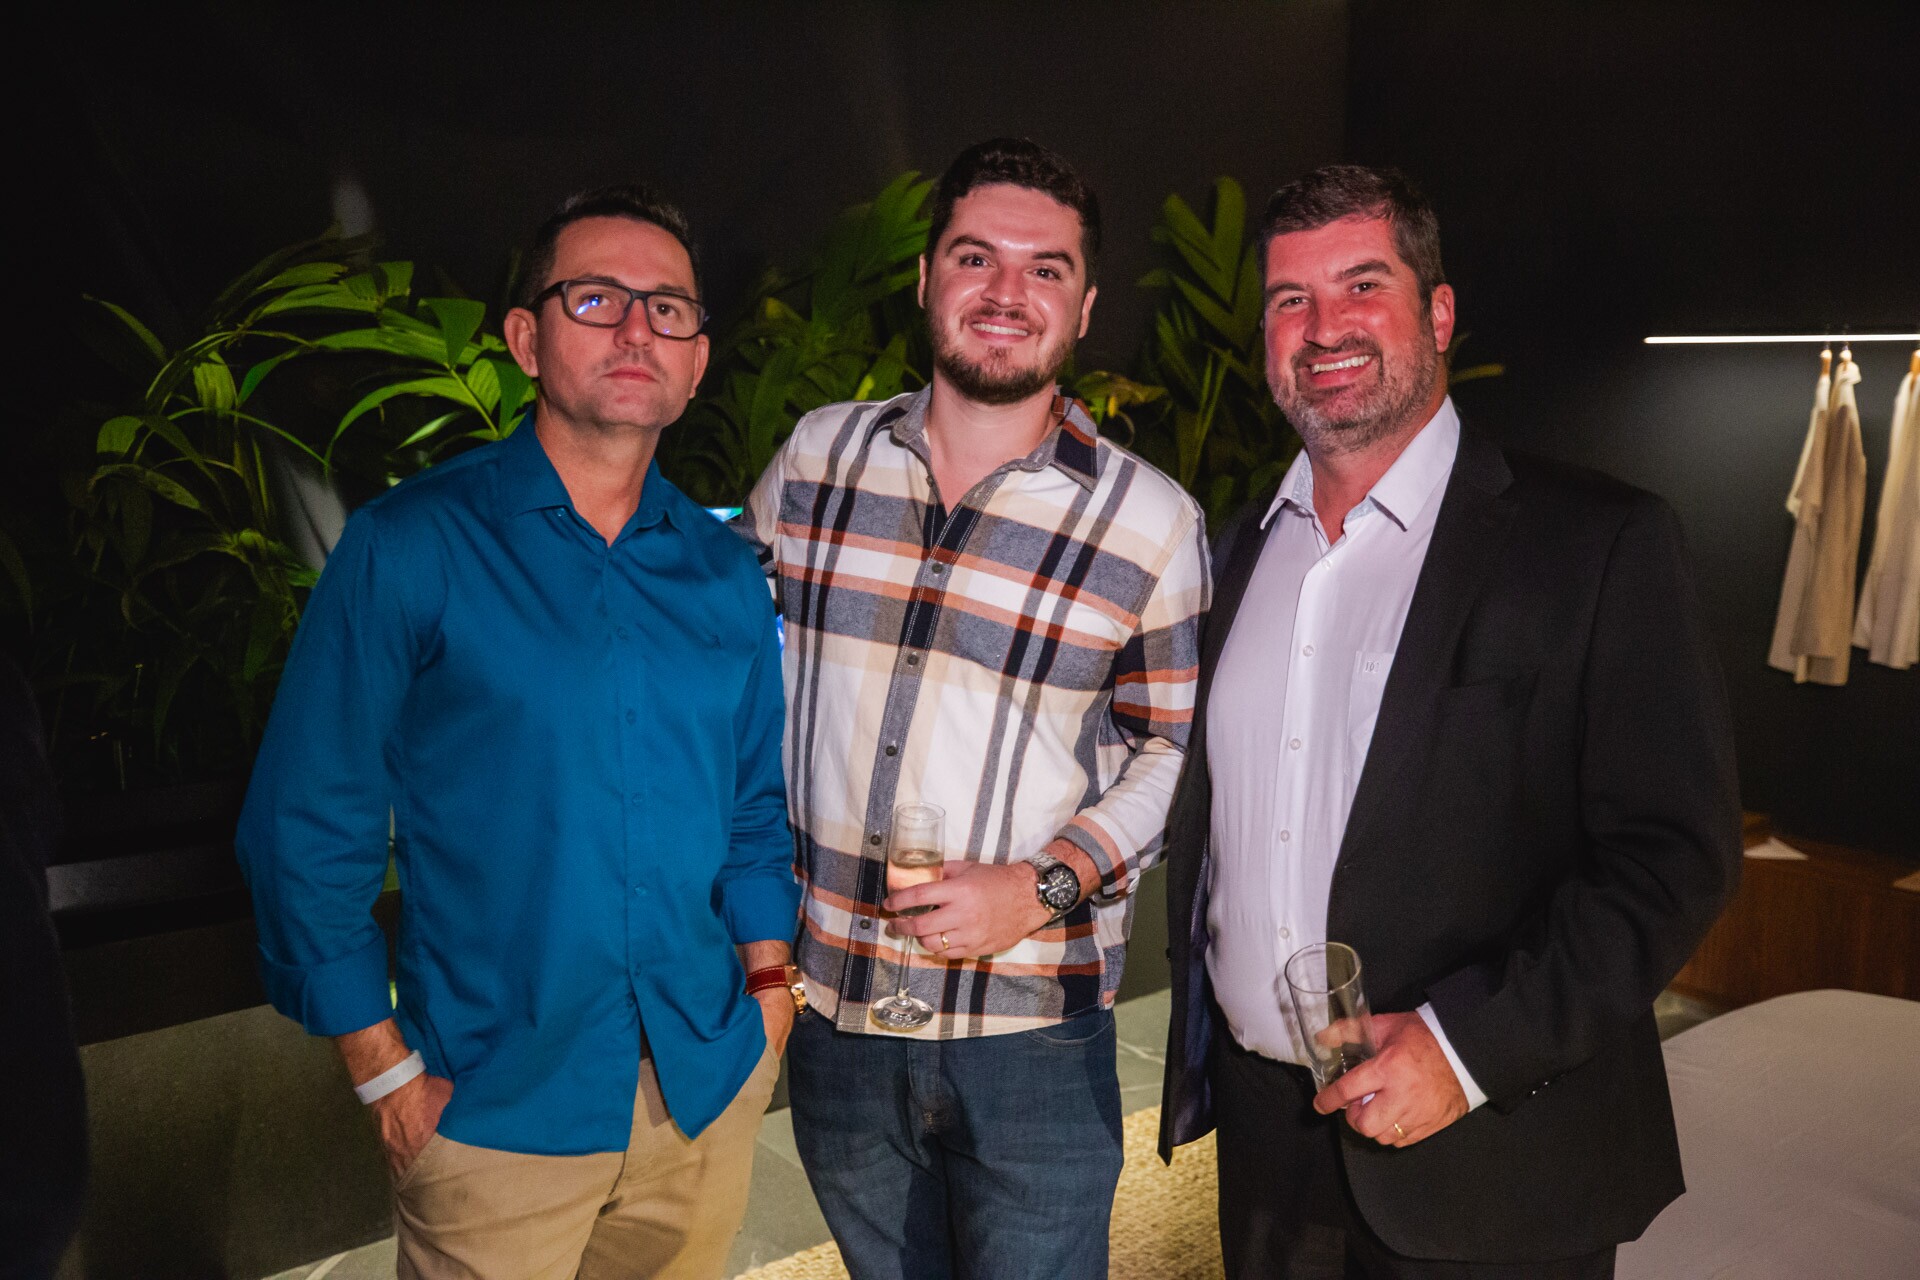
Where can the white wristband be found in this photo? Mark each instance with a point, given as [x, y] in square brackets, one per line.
[392, 1078]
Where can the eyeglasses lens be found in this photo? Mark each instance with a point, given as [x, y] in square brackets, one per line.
[668, 315]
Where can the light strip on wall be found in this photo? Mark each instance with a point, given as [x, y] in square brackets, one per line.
[1840, 338]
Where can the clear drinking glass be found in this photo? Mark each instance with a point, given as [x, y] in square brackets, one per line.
[914, 856]
[1324, 981]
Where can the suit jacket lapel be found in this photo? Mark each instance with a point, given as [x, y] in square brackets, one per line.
[1474, 515]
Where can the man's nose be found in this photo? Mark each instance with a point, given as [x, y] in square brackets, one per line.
[1326, 324]
[1007, 286]
[633, 330]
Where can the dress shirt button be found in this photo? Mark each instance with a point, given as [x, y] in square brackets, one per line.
[633, 715]
[892, 750]
[866, 924]
[1285, 836]
[621, 632]
[634, 799]
[1306, 652]
[1292, 746]
[937, 568]
[640, 889]
[874, 838]
[1285, 933]
[913, 659]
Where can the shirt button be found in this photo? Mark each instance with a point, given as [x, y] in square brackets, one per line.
[1285, 836]
[1306, 652]
[866, 924]
[632, 716]
[634, 799]
[1285, 933]
[640, 889]
[1292, 746]
[913, 659]
[873, 839]
[621, 632]
[892, 750]
[937, 569]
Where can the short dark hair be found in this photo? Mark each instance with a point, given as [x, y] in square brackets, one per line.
[1019, 162]
[1337, 191]
[628, 200]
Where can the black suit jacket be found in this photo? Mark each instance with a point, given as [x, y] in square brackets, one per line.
[1546, 824]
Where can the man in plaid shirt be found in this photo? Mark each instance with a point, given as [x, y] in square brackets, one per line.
[991, 609]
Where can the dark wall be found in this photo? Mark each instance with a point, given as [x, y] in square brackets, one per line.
[1624, 170]
[463, 126]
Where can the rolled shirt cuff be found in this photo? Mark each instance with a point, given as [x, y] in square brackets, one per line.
[333, 997]
[761, 909]
[1475, 1097]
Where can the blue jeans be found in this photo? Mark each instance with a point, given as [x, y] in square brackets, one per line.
[993, 1158]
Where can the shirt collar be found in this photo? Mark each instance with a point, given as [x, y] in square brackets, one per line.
[528, 481]
[1415, 477]
[1071, 445]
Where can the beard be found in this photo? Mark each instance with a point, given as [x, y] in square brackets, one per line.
[1359, 416]
[998, 380]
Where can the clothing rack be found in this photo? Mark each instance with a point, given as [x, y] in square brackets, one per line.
[1844, 337]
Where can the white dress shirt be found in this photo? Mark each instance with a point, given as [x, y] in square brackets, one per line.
[1289, 720]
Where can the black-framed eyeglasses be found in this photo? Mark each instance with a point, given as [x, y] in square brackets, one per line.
[604, 305]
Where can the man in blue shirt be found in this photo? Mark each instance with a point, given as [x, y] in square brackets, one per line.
[557, 678]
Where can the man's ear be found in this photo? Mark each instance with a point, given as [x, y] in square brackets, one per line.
[519, 328]
[1442, 311]
[920, 295]
[1086, 308]
[702, 351]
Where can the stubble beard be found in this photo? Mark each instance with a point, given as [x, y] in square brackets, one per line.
[997, 380]
[1361, 421]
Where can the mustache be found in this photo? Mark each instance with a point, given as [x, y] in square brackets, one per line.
[632, 362]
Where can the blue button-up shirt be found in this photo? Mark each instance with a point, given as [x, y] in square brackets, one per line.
[579, 746]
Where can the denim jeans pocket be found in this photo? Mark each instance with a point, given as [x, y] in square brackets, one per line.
[1081, 1029]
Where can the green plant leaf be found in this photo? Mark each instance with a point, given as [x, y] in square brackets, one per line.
[305, 274]
[166, 487]
[460, 319]
[516, 388]
[430, 430]
[442, 385]
[484, 383]
[213, 385]
[117, 434]
[142, 334]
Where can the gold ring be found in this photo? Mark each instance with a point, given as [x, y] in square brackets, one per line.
[1402, 1132]
[943, 940]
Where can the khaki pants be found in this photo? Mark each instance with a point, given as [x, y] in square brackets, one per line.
[665, 1209]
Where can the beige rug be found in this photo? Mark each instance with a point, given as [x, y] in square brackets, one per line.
[1164, 1224]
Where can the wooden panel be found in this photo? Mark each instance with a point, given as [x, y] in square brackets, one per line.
[1834, 920]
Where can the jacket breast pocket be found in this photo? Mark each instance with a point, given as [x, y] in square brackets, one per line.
[1496, 694]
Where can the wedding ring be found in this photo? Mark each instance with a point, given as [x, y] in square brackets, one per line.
[1402, 1132]
[943, 940]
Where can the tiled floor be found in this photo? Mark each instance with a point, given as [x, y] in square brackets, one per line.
[781, 1216]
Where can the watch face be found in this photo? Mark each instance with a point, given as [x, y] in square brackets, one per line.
[1059, 888]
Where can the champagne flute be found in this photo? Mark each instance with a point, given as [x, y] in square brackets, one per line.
[913, 857]
[1324, 981]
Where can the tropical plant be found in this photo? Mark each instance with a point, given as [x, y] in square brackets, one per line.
[844, 328]
[163, 640]
[1216, 430]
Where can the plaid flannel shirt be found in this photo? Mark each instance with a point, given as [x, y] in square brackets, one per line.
[1027, 661]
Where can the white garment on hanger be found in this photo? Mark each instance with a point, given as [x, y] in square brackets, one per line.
[1813, 631]
[1888, 627]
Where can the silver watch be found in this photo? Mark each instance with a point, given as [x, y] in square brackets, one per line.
[1058, 887]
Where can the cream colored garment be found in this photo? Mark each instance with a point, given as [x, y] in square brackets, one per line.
[1888, 627]
[1813, 633]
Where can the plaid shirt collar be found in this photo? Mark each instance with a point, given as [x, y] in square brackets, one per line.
[1071, 444]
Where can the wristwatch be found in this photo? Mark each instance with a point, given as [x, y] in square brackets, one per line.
[1058, 886]
[780, 975]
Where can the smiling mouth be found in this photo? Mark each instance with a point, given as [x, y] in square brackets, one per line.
[1330, 366]
[1006, 330]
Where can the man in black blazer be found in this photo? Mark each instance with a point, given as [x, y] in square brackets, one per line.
[1458, 710]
